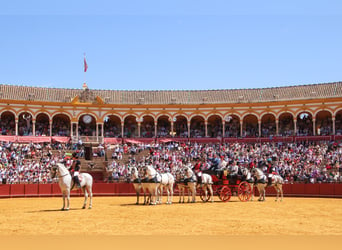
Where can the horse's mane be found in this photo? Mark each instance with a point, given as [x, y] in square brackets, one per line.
[62, 168]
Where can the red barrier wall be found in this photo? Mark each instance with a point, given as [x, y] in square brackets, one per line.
[126, 189]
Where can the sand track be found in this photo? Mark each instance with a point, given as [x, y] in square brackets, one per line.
[120, 216]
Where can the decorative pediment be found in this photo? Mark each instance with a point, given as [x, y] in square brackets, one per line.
[87, 97]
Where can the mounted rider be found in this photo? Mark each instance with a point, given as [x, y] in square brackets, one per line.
[271, 170]
[75, 169]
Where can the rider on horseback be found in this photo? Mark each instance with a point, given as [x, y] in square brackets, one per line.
[75, 169]
[271, 170]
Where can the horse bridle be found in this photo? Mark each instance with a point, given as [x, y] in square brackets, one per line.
[55, 171]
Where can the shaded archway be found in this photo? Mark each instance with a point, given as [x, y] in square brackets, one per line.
[232, 126]
[130, 127]
[304, 124]
[7, 123]
[147, 127]
[324, 125]
[197, 127]
[214, 126]
[61, 125]
[180, 126]
[42, 125]
[268, 125]
[87, 125]
[25, 124]
[286, 124]
[112, 126]
[163, 126]
[338, 123]
[250, 126]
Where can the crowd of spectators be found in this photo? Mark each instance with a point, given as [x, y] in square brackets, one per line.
[295, 162]
[307, 162]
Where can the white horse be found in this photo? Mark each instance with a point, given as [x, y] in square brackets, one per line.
[65, 183]
[206, 183]
[157, 183]
[139, 185]
[191, 182]
[277, 183]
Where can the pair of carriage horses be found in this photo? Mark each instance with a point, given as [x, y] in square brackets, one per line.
[156, 182]
[153, 183]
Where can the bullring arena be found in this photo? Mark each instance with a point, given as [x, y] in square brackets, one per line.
[112, 216]
[41, 125]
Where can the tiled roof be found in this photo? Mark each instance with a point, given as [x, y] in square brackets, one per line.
[300, 92]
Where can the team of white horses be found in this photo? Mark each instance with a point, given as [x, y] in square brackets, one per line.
[151, 183]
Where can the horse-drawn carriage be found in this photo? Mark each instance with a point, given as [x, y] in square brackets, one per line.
[224, 186]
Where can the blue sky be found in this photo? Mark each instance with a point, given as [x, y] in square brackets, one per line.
[170, 45]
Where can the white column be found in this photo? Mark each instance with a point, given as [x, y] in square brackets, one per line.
[314, 126]
[34, 127]
[188, 129]
[16, 127]
[333, 124]
[97, 132]
[172, 135]
[241, 123]
[155, 129]
[206, 128]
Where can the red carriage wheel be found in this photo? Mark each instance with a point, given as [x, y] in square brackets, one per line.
[225, 194]
[244, 191]
[202, 195]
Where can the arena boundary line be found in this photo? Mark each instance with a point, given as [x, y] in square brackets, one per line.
[320, 190]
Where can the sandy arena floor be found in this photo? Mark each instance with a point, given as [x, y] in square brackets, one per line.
[120, 216]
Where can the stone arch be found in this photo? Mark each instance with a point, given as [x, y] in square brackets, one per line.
[232, 126]
[147, 126]
[180, 125]
[324, 123]
[197, 126]
[286, 124]
[214, 126]
[163, 126]
[87, 127]
[130, 126]
[268, 125]
[304, 123]
[112, 126]
[61, 123]
[25, 123]
[42, 126]
[7, 122]
[250, 126]
[63, 113]
[338, 122]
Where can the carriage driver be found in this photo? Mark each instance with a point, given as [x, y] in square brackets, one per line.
[75, 169]
[234, 170]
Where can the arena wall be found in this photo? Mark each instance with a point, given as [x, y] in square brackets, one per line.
[332, 190]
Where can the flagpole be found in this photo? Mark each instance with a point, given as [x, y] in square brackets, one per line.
[85, 67]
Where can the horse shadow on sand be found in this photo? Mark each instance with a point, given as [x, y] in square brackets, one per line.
[54, 210]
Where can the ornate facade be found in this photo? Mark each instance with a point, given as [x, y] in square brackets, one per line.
[306, 110]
